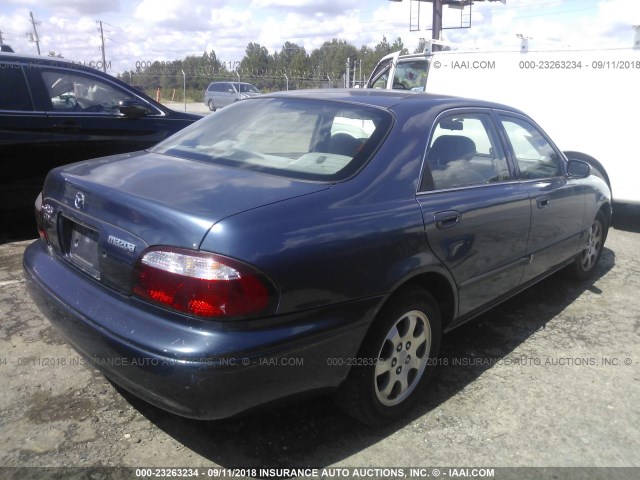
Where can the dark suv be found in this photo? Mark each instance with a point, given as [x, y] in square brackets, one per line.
[54, 112]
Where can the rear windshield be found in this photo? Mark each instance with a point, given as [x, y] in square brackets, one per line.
[290, 137]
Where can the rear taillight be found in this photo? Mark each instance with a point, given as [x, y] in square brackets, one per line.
[202, 284]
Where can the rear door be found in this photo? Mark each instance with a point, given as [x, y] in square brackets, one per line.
[557, 204]
[476, 214]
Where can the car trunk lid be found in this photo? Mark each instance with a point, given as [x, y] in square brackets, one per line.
[102, 214]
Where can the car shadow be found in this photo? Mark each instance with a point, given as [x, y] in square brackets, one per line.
[18, 226]
[315, 433]
[626, 217]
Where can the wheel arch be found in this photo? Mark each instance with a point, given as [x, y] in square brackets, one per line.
[607, 211]
[573, 155]
[439, 285]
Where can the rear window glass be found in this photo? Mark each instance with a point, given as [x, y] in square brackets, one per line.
[290, 137]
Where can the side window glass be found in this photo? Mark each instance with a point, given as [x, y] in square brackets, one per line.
[536, 158]
[465, 151]
[14, 92]
[72, 91]
[381, 75]
[381, 82]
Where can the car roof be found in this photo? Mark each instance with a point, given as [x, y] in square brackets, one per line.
[389, 99]
[231, 81]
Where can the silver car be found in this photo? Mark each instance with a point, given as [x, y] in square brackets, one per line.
[221, 94]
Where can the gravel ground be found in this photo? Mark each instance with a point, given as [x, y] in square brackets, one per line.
[550, 378]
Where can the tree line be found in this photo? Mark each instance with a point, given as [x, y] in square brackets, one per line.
[289, 68]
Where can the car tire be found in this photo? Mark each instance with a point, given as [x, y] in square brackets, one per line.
[584, 265]
[395, 361]
[212, 106]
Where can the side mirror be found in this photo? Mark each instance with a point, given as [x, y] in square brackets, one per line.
[132, 109]
[578, 169]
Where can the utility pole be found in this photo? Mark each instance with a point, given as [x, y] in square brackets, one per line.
[35, 32]
[347, 71]
[1, 37]
[104, 60]
[436, 31]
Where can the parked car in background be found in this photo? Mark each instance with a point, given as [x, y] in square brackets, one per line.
[221, 94]
[54, 112]
[307, 241]
[6, 48]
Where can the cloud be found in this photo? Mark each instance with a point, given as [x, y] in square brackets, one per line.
[82, 7]
[309, 8]
[165, 30]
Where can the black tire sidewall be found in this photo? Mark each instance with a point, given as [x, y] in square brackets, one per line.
[578, 270]
[362, 377]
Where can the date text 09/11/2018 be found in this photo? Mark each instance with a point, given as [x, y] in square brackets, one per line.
[579, 65]
[231, 65]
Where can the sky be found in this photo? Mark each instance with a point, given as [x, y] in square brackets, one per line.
[163, 30]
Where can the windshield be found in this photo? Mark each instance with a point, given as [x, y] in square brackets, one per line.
[411, 75]
[248, 88]
[291, 137]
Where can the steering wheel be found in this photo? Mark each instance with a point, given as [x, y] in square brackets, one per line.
[94, 108]
[71, 102]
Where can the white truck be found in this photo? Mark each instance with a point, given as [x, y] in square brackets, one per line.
[588, 101]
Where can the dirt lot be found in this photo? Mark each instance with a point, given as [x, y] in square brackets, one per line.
[551, 378]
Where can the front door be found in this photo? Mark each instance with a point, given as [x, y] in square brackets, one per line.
[555, 200]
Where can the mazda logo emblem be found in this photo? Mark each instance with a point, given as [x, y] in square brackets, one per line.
[79, 201]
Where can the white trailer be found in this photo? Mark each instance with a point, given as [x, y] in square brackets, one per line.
[588, 101]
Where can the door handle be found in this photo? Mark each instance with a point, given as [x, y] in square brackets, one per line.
[66, 127]
[447, 219]
[542, 201]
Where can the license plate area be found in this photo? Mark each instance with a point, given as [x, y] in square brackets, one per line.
[82, 247]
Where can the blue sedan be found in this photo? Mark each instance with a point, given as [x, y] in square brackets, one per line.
[307, 242]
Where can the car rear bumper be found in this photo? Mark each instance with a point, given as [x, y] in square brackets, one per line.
[206, 370]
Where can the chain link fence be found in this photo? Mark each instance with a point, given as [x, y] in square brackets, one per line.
[189, 86]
